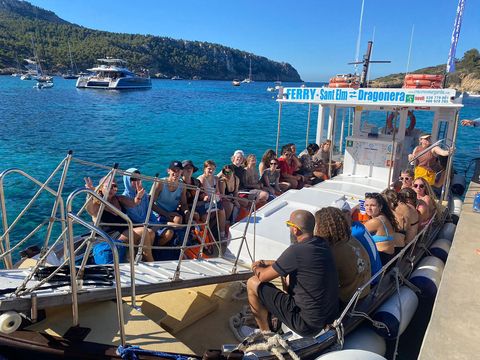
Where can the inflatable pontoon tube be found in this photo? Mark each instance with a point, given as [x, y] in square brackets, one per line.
[447, 231]
[427, 275]
[440, 248]
[364, 338]
[351, 355]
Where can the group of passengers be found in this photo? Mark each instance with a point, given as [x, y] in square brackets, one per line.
[224, 194]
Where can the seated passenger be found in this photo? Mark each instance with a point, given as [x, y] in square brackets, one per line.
[287, 172]
[188, 179]
[324, 156]
[108, 217]
[382, 225]
[295, 162]
[406, 177]
[210, 186]
[265, 163]
[351, 259]
[261, 197]
[311, 300]
[405, 214]
[271, 178]
[228, 186]
[427, 202]
[138, 214]
[170, 197]
[313, 171]
[252, 179]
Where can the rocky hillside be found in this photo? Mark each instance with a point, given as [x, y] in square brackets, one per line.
[24, 27]
[465, 78]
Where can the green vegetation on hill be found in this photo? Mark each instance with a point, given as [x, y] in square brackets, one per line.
[465, 78]
[20, 22]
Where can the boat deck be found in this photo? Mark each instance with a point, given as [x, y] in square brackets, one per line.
[454, 326]
[149, 278]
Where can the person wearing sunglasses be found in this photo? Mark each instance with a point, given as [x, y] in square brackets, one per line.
[268, 155]
[406, 177]
[382, 225]
[271, 179]
[287, 171]
[310, 301]
[351, 259]
[228, 185]
[427, 201]
[122, 203]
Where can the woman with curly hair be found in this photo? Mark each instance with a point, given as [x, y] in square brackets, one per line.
[405, 214]
[382, 225]
[351, 258]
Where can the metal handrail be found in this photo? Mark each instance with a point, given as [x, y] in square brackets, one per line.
[118, 285]
[94, 228]
[411, 162]
[8, 228]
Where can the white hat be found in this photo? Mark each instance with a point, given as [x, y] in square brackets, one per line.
[239, 152]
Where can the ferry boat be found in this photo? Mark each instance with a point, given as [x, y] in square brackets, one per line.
[113, 75]
[54, 304]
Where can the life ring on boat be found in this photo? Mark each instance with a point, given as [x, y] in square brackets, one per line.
[198, 234]
[429, 77]
[411, 124]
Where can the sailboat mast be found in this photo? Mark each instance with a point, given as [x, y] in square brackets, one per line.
[250, 70]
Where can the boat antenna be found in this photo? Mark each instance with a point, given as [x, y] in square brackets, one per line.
[366, 63]
[357, 51]
[410, 49]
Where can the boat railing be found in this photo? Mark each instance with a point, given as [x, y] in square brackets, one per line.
[5, 248]
[406, 254]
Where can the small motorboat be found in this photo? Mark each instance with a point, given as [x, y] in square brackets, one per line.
[43, 85]
[236, 82]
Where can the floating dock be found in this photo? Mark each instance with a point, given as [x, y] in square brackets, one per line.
[454, 327]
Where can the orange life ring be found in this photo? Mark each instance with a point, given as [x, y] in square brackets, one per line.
[431, 77]
[411, 124]
[422, 82]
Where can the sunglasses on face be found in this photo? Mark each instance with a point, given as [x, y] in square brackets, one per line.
[420, 186]
[406, 178]
[113, 186]
[291, 224]
[273, 163]
[229, 172]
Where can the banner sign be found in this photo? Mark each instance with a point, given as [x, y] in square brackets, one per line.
[368, 96]
[455, 34]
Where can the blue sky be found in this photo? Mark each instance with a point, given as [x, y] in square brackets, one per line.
[317, 37]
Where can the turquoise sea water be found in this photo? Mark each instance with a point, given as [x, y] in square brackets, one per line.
[147, 129]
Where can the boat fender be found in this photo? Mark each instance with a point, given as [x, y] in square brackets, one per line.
[365, 338]
[458, 184]
[411, 125]
[440, 248]
[447, 231]
[351, 354]
[427, 276]
[389, 313]
[9, 322]
[455, 204]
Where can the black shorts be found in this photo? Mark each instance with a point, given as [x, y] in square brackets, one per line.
[282, 305]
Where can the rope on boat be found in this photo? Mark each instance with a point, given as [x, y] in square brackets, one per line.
[130, 352]
[269, 341]
[397, 287]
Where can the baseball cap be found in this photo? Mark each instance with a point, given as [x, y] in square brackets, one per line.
[239, 152]
[175, 164]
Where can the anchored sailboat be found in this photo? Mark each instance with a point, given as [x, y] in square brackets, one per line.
[249, 79]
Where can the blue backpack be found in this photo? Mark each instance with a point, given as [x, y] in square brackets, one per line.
[102, 254]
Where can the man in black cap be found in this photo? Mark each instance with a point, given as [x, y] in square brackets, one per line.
[188, 179]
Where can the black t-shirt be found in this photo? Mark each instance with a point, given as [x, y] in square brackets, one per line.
[240, 172]
[313, 280]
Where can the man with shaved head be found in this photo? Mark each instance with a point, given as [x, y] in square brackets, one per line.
[311, 298]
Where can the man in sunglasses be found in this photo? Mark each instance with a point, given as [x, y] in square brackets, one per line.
[311, 298]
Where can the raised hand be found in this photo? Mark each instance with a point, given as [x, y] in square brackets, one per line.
[89, 183]
[140, 190]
